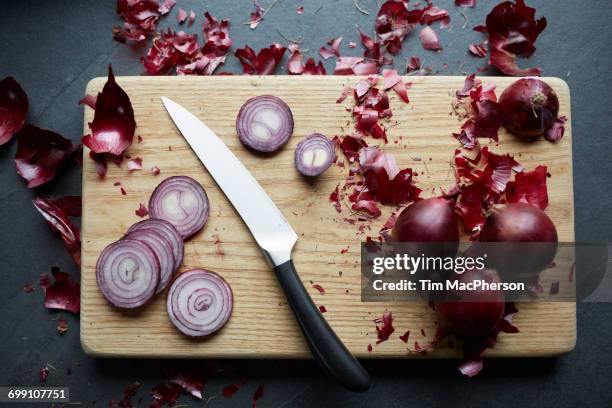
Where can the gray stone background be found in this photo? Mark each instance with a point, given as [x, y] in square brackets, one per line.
[54, 47]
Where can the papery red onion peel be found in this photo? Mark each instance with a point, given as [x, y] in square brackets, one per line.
[13, 108]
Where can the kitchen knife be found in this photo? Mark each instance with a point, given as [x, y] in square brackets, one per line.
[276, 239]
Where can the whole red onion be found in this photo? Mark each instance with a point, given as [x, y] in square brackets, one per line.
[530, 235]
[530, 107]
[431, 228]
[429, 220]
[472, 318]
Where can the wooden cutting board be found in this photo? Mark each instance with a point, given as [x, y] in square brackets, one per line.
[262, 325]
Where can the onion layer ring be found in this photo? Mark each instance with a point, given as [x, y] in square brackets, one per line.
[127, 273]
[169, 232]
[314, 154]
[199, 302]
[264, 123]
[162, 249]
[181, 201]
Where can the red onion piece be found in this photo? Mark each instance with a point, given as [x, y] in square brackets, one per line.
[113, 125]
[199, 302]
[430, 220]
[314, 154]
[264, 123]
[262, 63]
[57, 219]
[169, 232]
[530, 107]
[13, 108]
[163, 251]
[181, 201]
[476, 312]
[127, 273]
[526, 225]
[40, 153]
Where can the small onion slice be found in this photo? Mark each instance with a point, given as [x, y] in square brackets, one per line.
[169, 232]
[264, 123]
[127, 273]
[199, 303]
[181, 201]
[314, 154]
[162, 249]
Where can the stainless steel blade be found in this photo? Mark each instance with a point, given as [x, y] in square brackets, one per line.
[265, 221]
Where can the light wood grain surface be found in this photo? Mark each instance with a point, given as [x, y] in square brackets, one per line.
[262, 325]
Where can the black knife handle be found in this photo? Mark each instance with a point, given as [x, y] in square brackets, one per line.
[325, 346]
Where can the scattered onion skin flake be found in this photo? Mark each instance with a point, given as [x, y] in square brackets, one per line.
[314, 154]
[113, 125]
[40, 154]
[199, 303]
[127, 273]
[262, 63]
[264, 123]
[183, 202]
[429, 39]
[58, 222]
[89, 100]
[530, 108]
[168, 230]
[13, 108]
[63, 294]
[513, 31]
[465, 3]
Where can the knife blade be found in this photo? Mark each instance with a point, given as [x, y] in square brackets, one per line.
[271, 230]
[276, 239]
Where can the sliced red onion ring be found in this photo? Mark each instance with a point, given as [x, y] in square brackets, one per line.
[169, 232]
[314, 154]
[199, 302]
[264, 123]
[181, 201]
[162, 249]
[127, 273]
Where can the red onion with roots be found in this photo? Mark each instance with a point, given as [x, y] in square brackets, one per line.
[199, 303]
[478, 317]
[530, 108]
[314, 154]
[530, 229]
[127, 273]
[264, 123]
[181, 201]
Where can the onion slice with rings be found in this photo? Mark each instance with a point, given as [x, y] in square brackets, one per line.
[314, 154]
[199, 302]
[168, 230]
[264, 123]
[181, 201]
[127, 273]
[163, 251]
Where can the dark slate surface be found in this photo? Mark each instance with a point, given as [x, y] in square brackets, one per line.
[54, 47]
